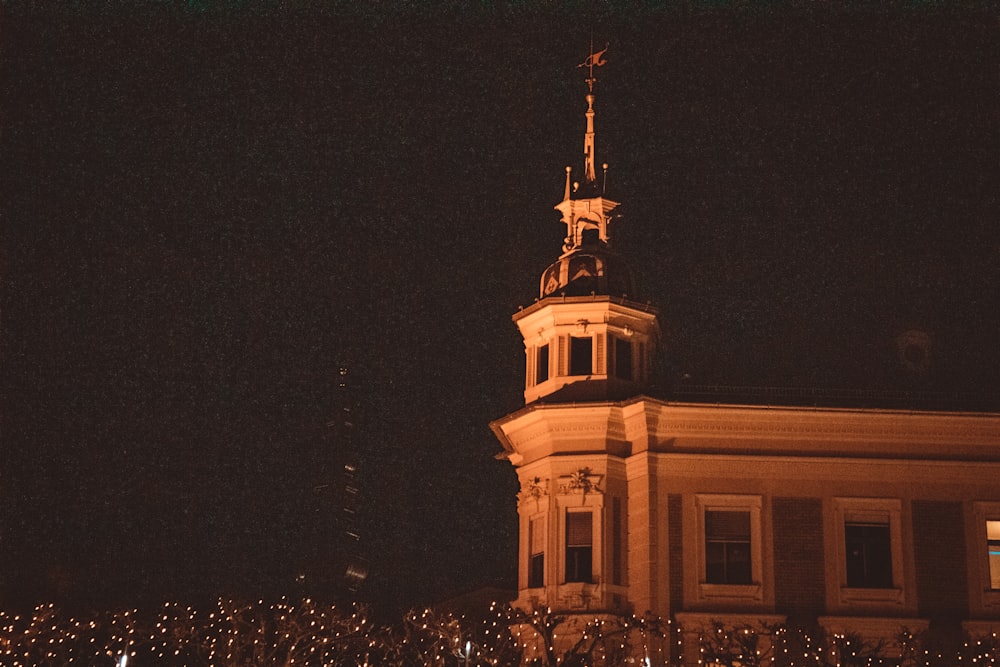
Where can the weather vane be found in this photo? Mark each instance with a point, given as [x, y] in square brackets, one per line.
[594, 60]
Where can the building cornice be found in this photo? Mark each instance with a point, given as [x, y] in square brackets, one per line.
[641, 424]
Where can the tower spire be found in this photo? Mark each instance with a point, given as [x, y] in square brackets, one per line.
[586, 211]
[595, 59]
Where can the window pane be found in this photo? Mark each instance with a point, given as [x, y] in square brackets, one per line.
[581, 356]
[993, 530]
[542, 364]
[727, 524]
[993, 550]
[536, 552]
[727, 547]
[623, 359]
[579, 550]
[578, 563]
[536, 571]
[738, 563]
[868, 548]
[579, 531]
[715, 562]
[616, 541]
[536, 535]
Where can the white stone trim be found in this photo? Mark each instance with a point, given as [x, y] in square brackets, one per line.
[890, 509]
[722, 594]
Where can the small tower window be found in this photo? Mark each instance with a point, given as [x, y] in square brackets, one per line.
[581, 356]
[623, 359]
[542, 364]
[579, 546]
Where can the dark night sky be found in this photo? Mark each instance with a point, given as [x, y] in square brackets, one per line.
[206, 213]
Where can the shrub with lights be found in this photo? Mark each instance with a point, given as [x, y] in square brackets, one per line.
[304, 632]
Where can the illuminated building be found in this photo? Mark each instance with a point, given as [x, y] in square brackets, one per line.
[848, 514]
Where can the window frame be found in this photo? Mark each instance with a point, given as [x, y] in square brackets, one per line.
[874, 511]
[628, 363]
[537, 532]
[618, 536]
[993, 549]
[543, 367]
[749, 592]
[984, 595]
[875, 561]
[729, 570]
[575, 354]
[587, 578]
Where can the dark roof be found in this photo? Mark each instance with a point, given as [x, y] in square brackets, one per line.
[835, 398]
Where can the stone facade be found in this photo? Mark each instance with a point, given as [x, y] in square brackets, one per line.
[853, 519]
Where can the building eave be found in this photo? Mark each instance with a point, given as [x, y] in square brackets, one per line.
[648, 424]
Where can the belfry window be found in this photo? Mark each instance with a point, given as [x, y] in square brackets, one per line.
[579, 546]
[542, 364]
[581, 355]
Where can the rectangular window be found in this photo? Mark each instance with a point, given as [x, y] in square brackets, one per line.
[868, 551]
[581, 356]
[579, 546]
[536, 552]
[616, 541]
[623, 359]
[993, 549]
[727, 547]
[542, 364]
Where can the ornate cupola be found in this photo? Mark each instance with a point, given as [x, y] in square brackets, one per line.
[587, 337]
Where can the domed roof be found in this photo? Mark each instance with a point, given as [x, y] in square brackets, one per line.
[588, 269]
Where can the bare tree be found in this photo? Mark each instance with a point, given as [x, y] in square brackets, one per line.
[604, 638]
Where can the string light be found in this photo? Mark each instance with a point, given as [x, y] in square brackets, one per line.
[313, 634]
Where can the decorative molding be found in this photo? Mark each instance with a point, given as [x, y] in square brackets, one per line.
[534, 488]
[579, 595]
[581, 482]
[834, 424]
